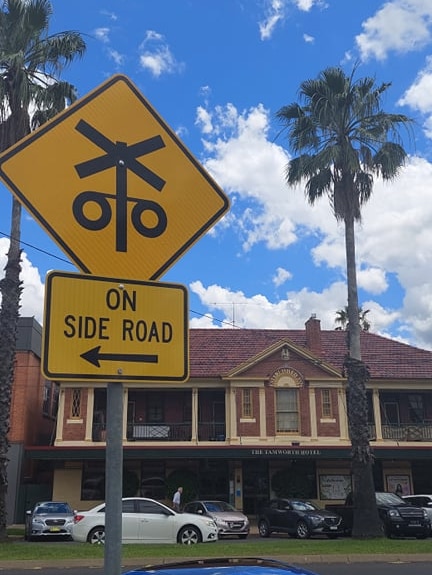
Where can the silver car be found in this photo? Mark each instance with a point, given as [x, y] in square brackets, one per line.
[49, 519]
[230, 522]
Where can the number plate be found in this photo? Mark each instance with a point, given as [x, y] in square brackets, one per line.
[54, 529]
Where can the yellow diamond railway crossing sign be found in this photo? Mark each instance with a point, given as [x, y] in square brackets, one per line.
[110, 329]
[113, 185]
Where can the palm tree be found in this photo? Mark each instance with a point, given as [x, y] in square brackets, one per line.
[30, 63]
[342, 319]
[341, 139]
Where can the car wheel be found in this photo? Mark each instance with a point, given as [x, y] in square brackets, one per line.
[97, 536]
[302, 530]
[263, 528]
[189, 535]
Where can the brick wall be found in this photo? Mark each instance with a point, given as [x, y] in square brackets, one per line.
[28, 423]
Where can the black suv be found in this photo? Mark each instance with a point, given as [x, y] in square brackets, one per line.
[299, 518]
[401, 518]
[398, 517]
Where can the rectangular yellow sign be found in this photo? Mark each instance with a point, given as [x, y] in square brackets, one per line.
[114, 330]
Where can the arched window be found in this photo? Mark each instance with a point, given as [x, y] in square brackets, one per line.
[287, 383]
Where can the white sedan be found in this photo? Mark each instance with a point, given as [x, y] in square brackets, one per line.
[145, 521]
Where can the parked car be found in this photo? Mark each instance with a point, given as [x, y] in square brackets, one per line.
[145, 520]
[424, 501]
[49, 519]
[228, 519]
[227, 565]
[398, 517]
[299, 518]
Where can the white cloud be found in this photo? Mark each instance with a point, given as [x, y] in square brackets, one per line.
[245, 163]
[32, 298]
[274, 12]
[102, 34]
[110, 15]
[203, 120]
[258, 311]
[156, 56]
[306, 5]
[419, 96]
[394, 240]
[399, 26]
[281, 276]
[373, 280]
[308, 39]
[117, 57]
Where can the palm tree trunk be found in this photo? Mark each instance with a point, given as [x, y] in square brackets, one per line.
[366, 518]
[10, 289]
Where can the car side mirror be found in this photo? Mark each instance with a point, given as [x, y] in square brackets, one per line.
[200, 511]
[28, 512]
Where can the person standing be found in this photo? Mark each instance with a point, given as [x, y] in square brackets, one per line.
[177, 499]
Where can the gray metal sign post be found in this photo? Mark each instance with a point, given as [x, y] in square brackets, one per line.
[114, 480]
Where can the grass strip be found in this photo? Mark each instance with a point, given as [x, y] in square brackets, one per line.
[16, 549]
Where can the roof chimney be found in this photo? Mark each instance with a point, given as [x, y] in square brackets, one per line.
[313, 334]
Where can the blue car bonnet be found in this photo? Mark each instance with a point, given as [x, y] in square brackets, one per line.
[224, 566]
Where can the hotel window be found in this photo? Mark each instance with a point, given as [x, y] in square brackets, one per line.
[155, 409]
[326, 406]
[76, 403]
[247, 403]
[287, 412]
[416, 409]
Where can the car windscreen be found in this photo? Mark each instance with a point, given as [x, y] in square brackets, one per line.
[217, 506]
[58, 509]
[303, 506]
[389, 499]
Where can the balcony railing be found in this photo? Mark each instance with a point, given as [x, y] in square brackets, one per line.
[216, 431]
[159, 431]
[213, 431]
[408, 432]
[403, 431]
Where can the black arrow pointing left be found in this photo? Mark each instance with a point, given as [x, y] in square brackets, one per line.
[94, 356]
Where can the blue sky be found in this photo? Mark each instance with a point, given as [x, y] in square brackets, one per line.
[217, 71]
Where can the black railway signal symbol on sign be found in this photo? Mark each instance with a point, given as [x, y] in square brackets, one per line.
[122, 157]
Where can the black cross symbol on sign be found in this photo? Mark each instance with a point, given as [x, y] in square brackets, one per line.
[122, 157]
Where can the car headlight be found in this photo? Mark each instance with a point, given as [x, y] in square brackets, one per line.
[393, 513]
[210, 523]
[221, 522]
[37, 520]
[315, 519]
[425, 515]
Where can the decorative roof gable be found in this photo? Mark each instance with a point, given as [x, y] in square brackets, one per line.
[282, 351]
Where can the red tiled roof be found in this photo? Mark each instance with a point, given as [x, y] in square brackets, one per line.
[216, 352]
